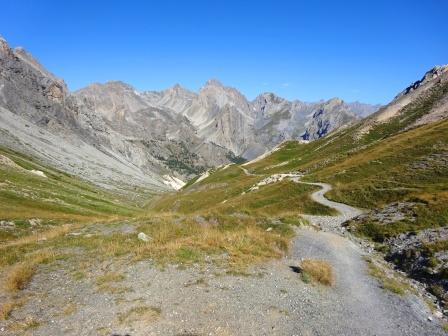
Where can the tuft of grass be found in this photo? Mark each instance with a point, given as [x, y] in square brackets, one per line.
[19, 276]
[7, 308]
[317, 270]
[236, 240]
[109, 277]
[28, 323]
[107, 283]
[70, 309]
[78, 275]
[139, 313]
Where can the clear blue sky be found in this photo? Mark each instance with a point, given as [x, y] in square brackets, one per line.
[356, 50]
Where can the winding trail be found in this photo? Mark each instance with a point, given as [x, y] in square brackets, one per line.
[346, 212]
[248, 173]
[358, 305]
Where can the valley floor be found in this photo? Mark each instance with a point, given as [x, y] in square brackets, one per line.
[120, 297]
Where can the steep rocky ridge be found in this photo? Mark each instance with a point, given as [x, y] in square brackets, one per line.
[414, 93]
[107, 133]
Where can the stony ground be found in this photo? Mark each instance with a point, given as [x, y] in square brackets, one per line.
[270, 299]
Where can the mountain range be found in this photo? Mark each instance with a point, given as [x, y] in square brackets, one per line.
[118, 137]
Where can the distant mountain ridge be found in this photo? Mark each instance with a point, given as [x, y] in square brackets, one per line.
[113, 135]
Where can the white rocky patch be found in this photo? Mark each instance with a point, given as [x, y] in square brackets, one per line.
[227, 166]
[202, 177]
[173, 181]
[276, 178]
[37, 172]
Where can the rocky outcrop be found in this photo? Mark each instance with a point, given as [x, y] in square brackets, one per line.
[422, 253]
[424, 256]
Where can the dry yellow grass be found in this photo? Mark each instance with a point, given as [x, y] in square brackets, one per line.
[6, 309]
[318, 270]
[142, 313]
[107, 283]
[28, 323]
[8, 306]
[36, 237]
[70, 309]
[109, 277]
[19, 276]
[243, 245]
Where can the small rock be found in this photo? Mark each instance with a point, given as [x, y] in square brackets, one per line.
[144, 237]
[268, 229]
[34, 221]
[429, 318]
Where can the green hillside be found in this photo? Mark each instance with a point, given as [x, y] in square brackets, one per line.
[51, 198]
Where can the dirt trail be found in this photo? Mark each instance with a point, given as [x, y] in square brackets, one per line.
[360, 306]
[346, 212]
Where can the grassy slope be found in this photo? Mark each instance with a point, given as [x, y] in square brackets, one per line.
[58, 198]
[226, 192]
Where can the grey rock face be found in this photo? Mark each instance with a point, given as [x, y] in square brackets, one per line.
[423, 257]
[160, 135]
[327, 117]
[278, 119]
[108, 134]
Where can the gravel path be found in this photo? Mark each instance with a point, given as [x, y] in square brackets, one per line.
[346, 212]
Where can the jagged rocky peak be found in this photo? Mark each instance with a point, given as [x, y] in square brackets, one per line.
[5, 50]
[25, 56]
[334, 102]
[113, 99]
[268, 98]
[268, 104]
[216, 95]
[176, 98]
[436, 72]
[119, 85]
[214, 82]
[24, 80]
[179, 92]
[19, 60]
